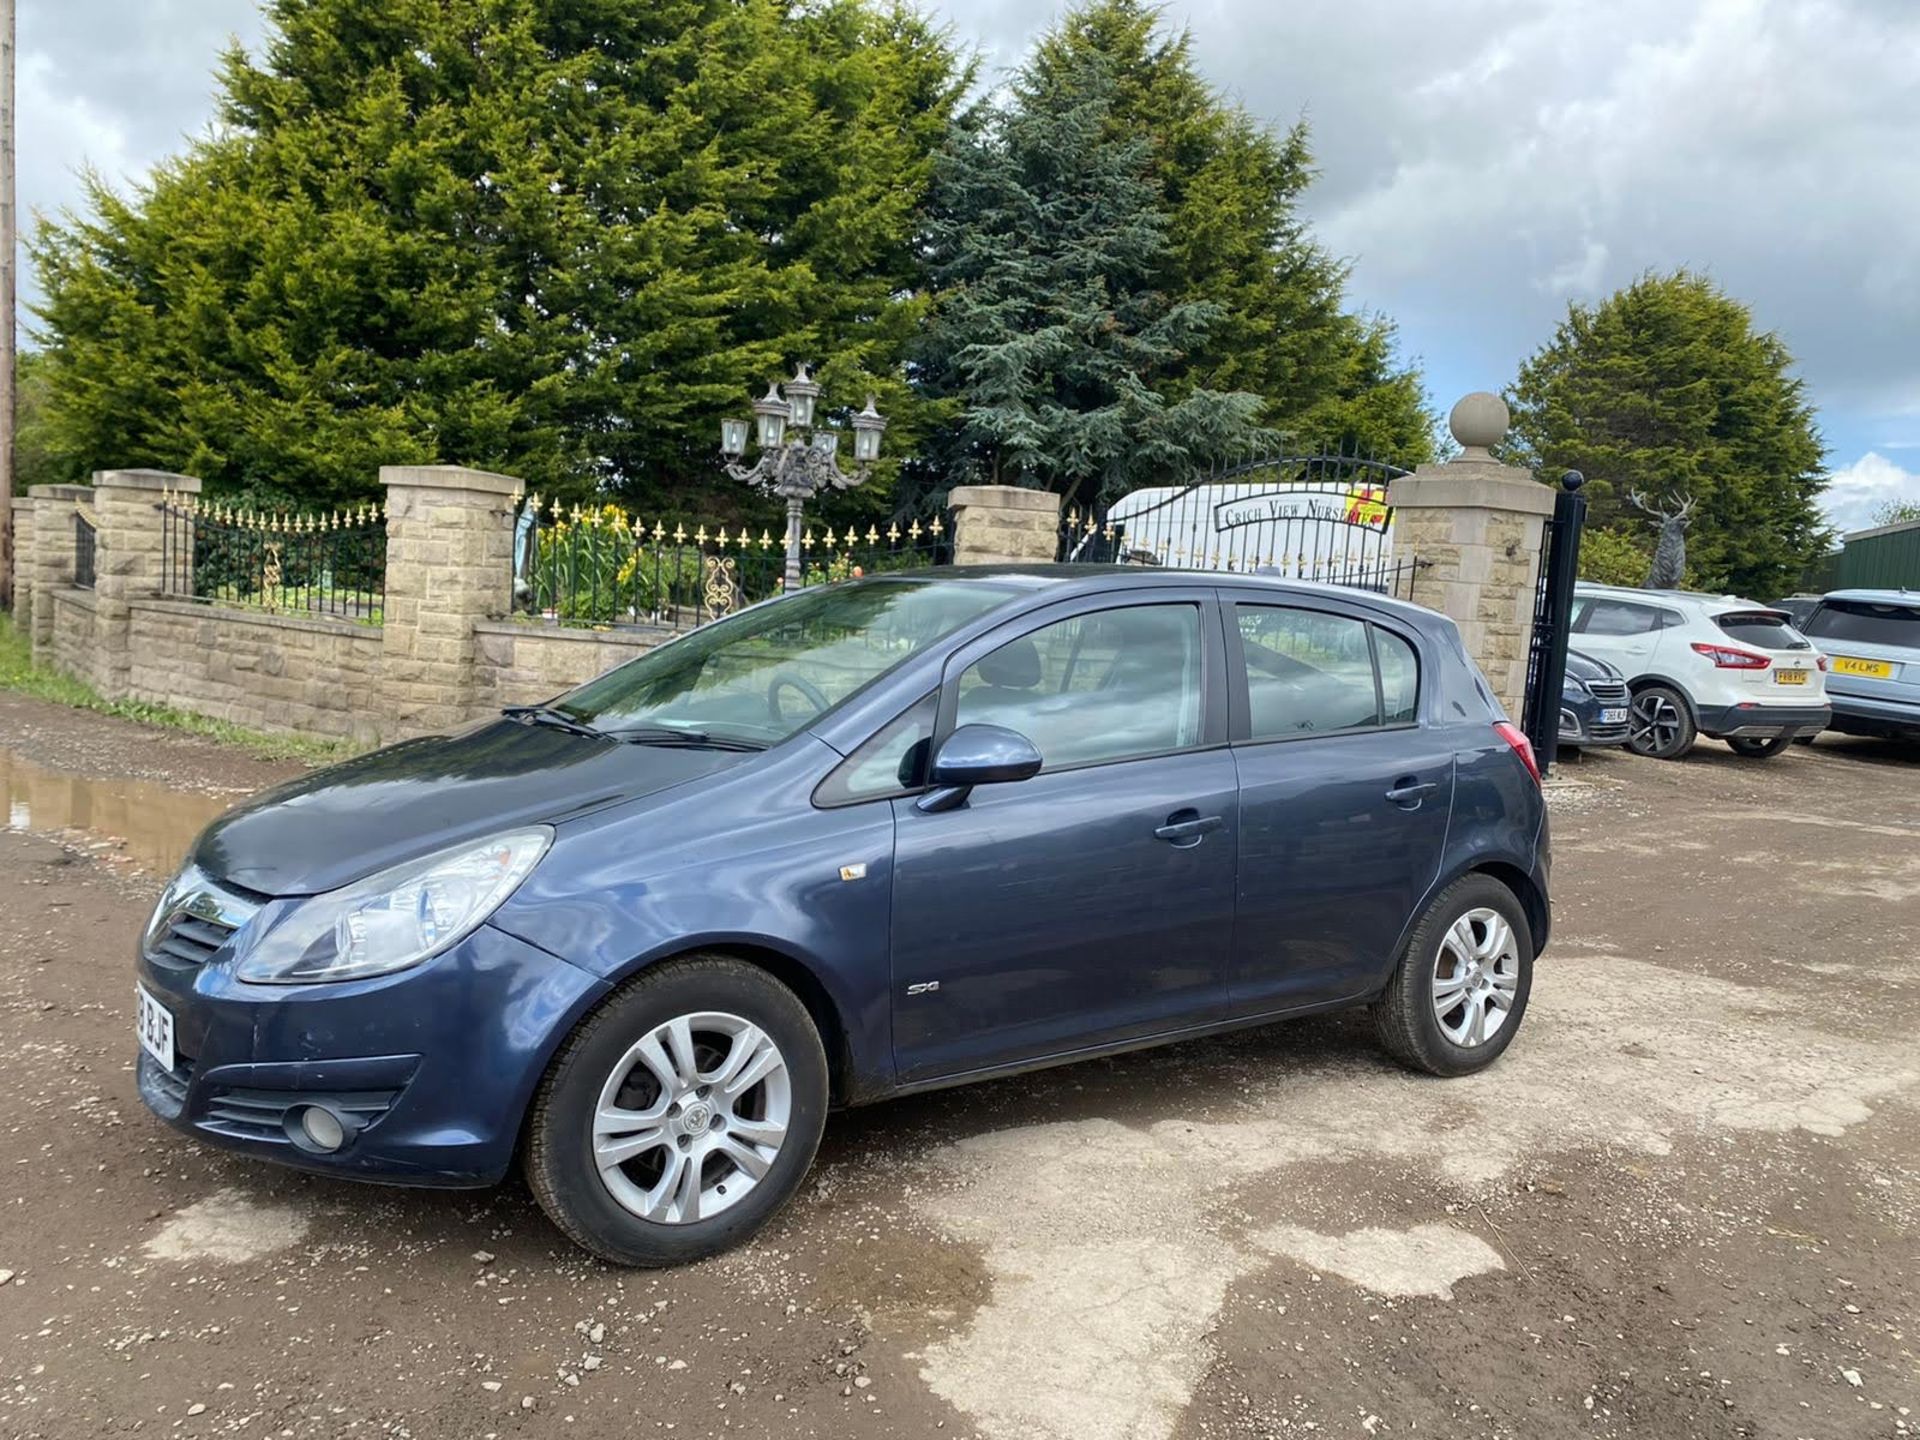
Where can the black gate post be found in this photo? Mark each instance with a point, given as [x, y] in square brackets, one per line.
[1552, 619]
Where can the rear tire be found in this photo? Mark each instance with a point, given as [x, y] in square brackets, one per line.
[1661, 721]
[1460, 990]
[1756, 747]
[680, 1115]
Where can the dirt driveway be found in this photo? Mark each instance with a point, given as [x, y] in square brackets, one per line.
[1687, 1203]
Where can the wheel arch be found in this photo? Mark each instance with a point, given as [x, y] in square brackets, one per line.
[1641, 682]
[799, 977]
[1526, 890]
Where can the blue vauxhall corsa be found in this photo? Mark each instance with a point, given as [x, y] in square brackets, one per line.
[866, 839]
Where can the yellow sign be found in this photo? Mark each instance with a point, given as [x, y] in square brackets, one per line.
[1367, 506]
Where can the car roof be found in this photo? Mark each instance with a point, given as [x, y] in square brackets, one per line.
[1067, 581]
[1875, 597]
[1634, 592]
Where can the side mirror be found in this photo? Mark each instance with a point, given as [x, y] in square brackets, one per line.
[978, 755]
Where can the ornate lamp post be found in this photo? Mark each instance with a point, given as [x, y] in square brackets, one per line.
[798, 461]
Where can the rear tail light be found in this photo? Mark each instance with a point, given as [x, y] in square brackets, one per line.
[1522, 746]
[1727, 657]
[1821, 661]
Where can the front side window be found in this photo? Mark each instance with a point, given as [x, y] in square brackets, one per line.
[1308, 672]
[761, 675]
[893, 762]
[1112, 685]
[1618, 617]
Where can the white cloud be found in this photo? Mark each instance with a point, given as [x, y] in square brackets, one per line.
[1856, 493]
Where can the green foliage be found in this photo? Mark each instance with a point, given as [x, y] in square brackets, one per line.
[557, 238]
[1613, 557]
[1230, 188]
[1897, 512]
[1048, 239]
[1666, 388]
[20, 676]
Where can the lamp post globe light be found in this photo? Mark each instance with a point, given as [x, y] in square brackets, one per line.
[797, 460]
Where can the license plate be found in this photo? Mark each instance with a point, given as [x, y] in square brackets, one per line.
[1854, 665]
[1789, 677]
[155, 1025]
[1614, 717]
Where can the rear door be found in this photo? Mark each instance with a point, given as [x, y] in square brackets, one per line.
[1344, 798]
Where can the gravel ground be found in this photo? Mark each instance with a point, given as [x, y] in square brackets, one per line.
[1686, 1203]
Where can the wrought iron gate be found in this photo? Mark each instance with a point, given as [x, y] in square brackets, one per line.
[1309, 517]
[1553, 618]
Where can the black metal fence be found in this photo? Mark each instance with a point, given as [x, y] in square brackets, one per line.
[84, 532]
[1321, 518]
[1552, 619]
[332, 565]
[603, 567]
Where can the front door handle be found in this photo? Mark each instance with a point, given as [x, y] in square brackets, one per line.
[1409, 792]
[1185, 828]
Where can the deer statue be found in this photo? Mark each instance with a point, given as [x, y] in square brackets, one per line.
[1670, 555]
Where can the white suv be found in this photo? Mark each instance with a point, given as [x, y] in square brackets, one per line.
[1704, 665]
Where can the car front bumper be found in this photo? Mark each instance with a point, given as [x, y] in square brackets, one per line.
[1581, 729]
[429, 1071]
[1763, 721]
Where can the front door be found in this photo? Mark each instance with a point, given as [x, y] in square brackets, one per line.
[1094, 902]
[1344, 803]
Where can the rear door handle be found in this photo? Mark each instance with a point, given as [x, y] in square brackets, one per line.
[1187, 827]
[1409, 792]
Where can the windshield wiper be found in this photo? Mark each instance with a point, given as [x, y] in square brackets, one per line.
[558, 719]
[692, 739]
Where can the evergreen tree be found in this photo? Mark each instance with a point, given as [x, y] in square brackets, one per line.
[1048, 245]
[1666, 388]
[558, 238]
[1230, 188]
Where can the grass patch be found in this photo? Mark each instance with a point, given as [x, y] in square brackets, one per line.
[19, 675]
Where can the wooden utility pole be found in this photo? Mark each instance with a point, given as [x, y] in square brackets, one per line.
[8, 247]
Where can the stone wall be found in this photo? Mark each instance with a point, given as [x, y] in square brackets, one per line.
[1005, 525]
[267, 672]
[72, 625]
[521, 663]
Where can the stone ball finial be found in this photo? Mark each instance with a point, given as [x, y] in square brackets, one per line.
[1479, 422]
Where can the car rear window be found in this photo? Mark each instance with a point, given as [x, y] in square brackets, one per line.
[1764, 628]
[1866, 623]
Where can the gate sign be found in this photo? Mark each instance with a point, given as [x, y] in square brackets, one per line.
[1364, 505]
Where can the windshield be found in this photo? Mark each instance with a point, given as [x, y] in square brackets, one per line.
[763, 674]
[1866, 623]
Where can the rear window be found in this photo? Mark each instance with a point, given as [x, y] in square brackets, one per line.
[1762, 628]
[1866, 624]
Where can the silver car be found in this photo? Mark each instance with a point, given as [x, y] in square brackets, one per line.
[1871, 639]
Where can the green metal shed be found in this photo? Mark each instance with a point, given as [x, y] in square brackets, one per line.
[1884, 558]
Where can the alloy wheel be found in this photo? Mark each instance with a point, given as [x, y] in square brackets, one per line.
[692, 1117]
[1655, 724]
[1476, 975]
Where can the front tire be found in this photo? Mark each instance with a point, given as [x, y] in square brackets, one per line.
[1461, 987]
[680, 1115]
[1661, 723]
[1759, 747]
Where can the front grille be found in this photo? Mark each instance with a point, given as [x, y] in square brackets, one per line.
[1608, 692]
[261, 1114]
[191, 939]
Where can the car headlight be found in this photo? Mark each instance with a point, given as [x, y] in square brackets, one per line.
[397, 918]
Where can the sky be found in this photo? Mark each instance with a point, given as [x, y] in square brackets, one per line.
[1483, 162]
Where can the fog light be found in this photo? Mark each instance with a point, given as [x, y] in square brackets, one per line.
[322, 1129]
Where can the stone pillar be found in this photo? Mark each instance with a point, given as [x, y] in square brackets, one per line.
[449, 563]
[49, 563]
[1005, 525]
[126, 562]
[23, 556]
[1477, 526]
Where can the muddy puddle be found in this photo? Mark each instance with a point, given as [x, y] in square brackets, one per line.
[147, 825]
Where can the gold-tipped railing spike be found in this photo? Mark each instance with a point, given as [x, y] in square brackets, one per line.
[700, 536]
[913, 532]
[766, 540]
[533, 504]
[659, 531]
[873, 535]
[933, 527]
[806, 538]
[679, 534]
